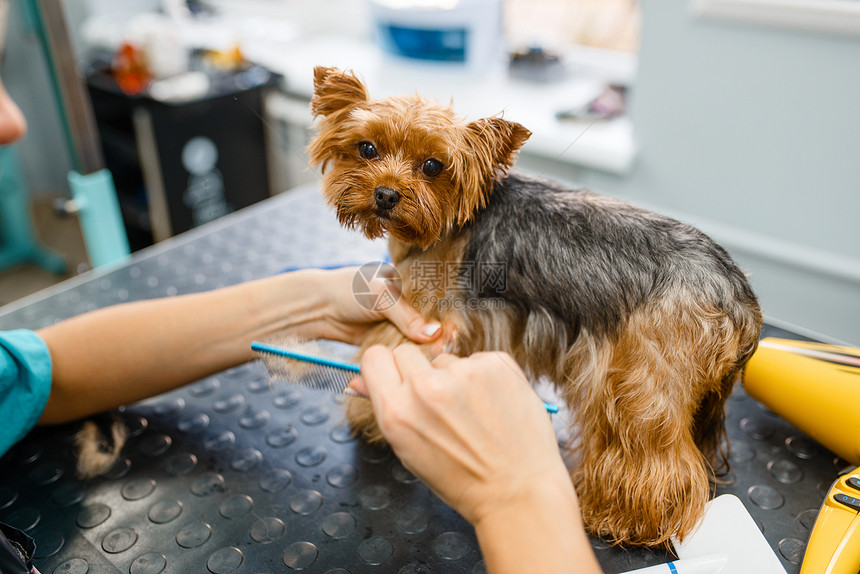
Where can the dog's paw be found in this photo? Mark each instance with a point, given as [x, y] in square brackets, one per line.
[646, 501]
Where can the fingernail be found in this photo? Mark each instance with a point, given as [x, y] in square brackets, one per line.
[431, 329]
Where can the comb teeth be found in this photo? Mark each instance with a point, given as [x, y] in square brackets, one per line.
[300, 363]
[328, 379]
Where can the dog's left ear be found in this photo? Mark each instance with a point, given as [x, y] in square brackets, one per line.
[492, 145]
[335, 91]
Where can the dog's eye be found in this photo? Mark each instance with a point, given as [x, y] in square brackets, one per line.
[431, 167]
[367, 150]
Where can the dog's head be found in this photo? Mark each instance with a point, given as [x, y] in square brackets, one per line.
[404, 165]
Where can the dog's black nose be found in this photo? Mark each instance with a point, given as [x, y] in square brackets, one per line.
[386, 198]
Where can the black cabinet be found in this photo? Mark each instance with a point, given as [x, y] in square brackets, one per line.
[179, 165]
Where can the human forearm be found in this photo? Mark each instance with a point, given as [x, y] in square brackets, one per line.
[538, 530]
[125, 353]
[128, 352]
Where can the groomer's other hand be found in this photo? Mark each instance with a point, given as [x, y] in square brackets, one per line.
[349, 318]
[472, 429]
[476, 433]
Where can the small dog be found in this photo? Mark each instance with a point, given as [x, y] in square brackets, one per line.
[643, 322]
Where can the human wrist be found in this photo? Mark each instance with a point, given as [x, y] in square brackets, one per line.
[541, 491]
[539, 529]
[288, 304]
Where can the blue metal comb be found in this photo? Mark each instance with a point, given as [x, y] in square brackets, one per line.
[320, 372]
[333, 375]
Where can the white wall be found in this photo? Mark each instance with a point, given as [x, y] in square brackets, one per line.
[753, 133]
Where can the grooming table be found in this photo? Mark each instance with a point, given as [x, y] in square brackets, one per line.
[231, 475]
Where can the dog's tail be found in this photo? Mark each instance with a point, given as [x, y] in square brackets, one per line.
[99, 444]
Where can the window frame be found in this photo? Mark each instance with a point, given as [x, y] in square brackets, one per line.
[827, 16]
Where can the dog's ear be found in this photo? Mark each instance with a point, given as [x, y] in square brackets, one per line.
[491, 148]
[335, 91]
[496, 142]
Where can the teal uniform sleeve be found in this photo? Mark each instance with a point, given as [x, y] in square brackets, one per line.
[25, 383]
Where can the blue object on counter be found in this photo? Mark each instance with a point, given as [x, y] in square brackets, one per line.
[439, 45]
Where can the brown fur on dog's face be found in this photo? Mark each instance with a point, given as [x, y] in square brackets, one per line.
[405, 132]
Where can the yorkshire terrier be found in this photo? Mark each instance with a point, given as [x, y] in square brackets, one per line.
[642, 322]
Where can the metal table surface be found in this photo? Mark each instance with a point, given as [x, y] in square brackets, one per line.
[230, 475]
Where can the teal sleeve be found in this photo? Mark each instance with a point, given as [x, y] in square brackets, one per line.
[25, 383]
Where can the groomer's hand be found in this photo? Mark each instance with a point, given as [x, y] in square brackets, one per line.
[472, 429]
[476, 433]
[349, 318]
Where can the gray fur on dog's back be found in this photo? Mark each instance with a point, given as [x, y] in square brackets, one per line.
[590, 260]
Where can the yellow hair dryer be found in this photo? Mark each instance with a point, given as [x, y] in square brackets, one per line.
[816, 387]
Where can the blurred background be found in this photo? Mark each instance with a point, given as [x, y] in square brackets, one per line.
[738, 116]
